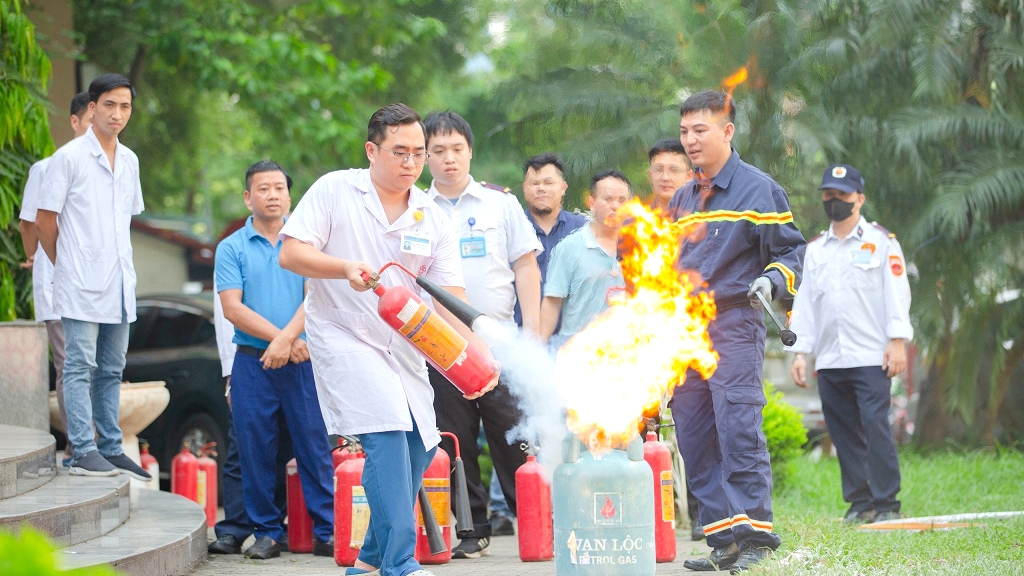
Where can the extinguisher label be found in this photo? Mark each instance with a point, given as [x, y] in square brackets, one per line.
[431, 334]
[201, 487]
[439, 493]
[668, 503]
[360, 517]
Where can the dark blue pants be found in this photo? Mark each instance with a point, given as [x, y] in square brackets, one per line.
[856, 403]
[718, 427]
[236, 522]
[258, 398]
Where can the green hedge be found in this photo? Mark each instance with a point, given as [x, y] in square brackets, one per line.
[30, 553]
[784, 430]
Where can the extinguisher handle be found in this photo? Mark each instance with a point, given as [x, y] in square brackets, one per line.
[435, 537]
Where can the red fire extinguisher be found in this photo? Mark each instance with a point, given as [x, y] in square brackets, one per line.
[149, 464]
[300, 524]
[345, 450]
[463, 365]
[659, 458]
[351, 510]
[533, 504]
[437, 485]
[206, 482]
[183, 473]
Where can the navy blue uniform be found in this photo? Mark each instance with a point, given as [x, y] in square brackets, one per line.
[742, 229]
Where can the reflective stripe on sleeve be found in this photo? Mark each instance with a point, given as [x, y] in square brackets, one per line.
[787, 274]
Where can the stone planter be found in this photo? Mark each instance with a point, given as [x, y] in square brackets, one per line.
[24, 375]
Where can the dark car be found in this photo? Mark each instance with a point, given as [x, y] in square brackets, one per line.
[174, 340]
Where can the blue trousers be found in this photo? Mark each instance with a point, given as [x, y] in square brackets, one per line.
[718, 427]
[258, 399]
[236, 521]
[855, 402]
[392, 475]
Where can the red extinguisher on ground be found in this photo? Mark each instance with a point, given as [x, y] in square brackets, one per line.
[463, 365]
[533, 507]
[300, 524]
[184, 467]
[345, 450]
[149, 464]
[351, 510]
[437, 487]
[659, 458]
[206, 482]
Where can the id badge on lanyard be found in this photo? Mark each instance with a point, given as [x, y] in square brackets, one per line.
[472, 246]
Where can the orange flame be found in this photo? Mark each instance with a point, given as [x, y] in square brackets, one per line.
[636, 352]
[738, 77]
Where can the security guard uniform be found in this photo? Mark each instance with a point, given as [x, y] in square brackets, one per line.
[742, 228]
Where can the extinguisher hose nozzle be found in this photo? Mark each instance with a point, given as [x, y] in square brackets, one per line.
[464, 312]
[435, 537]
[463, 511]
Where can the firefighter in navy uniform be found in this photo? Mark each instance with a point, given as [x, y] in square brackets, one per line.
[742, 240]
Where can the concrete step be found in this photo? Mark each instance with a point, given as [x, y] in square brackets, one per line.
[165, 536]
[26, 460]
[71, 509]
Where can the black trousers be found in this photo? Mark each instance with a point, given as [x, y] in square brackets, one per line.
[855, 402]
[499, 411]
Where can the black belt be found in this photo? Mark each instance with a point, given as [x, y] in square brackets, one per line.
[251, 351]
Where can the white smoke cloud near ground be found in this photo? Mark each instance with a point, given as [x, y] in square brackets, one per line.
[526, 368]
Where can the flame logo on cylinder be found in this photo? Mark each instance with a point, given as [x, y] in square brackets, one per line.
[608, 510]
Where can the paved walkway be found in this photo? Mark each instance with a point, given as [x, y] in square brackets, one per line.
[503, 560]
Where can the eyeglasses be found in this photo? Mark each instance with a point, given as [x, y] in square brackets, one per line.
[672, 170]
[402, 157]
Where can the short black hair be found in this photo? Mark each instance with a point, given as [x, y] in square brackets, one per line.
[79, 104]
[664, 145]
[603, 174]
[715, 101]
[440, 123]
[543, 159]
[106, 83]
[391, 115]
[266, 166]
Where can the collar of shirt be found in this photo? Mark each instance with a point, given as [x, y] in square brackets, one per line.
[561, 220]
[96, 149]
[724, 176]
[857, 232]
[590, 240]
[417, 200]
[472, 188]
[251, 232]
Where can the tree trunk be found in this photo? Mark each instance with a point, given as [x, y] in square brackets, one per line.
[932, 419]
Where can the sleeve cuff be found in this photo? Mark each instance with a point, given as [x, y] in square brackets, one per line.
[900, 330]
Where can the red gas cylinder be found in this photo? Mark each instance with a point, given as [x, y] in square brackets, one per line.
[344, 451]
[183, 473]
[206, 482]
[659, 458]
[149, 464]
[533, 506]
[351, 510]
[438, 484]
[300, 525]
[464, 366]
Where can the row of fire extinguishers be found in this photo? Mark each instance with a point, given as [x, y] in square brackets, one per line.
[194, 477]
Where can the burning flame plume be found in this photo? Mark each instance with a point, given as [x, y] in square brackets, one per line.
[636, 352]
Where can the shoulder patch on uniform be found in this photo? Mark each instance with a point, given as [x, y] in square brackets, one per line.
[883, 229]
[497, 187]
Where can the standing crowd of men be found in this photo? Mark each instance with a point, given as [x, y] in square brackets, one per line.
[309, 357]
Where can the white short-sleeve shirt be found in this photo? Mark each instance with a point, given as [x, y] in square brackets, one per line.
[94, 275]
[499, 235]
[369, 378]
[225, 331]
[42, 268]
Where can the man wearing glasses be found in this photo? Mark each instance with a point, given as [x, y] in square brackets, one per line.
[371, 382]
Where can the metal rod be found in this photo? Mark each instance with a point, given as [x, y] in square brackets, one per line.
[787, 336]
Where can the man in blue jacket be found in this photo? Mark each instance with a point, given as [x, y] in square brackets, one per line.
[740, 239]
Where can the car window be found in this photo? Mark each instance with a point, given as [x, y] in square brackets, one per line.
[173, 328]
[137, 330]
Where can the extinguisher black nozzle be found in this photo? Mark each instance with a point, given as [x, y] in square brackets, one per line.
[464, 312]
[435, 537]
[463, 511]
[788, 337]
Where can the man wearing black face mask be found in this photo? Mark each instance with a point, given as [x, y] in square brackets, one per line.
[853, 313]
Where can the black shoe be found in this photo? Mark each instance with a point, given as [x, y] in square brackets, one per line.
[887, 515]
[696, 530]
[721, 558]
[283, 542]
[854, 517]
[226, 544]
[749, 557]
[502, 526]
[126, 465]
[92, 464]
[323, 548]
[471, 548]
[264, 549]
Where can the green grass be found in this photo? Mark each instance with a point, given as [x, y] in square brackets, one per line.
[814, 540]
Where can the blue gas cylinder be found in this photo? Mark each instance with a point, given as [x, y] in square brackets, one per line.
[603, 512]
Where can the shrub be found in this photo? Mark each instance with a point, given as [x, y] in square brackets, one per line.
[30, 553]
[784, 430]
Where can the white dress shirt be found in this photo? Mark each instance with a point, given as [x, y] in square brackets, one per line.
[854, 298]
[42, 268]
[225, 331]
[369, 378]
[94, 276]
[508, 235]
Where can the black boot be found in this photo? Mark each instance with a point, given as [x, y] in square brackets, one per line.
[749, 557]
[721, 558]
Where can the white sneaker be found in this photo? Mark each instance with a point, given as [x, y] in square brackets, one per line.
[421, 573]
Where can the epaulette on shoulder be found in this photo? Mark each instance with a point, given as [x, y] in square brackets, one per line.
[884, 231]
[497, 187]
[820, 234]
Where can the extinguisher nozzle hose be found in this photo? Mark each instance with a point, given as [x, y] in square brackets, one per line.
[463, 512]
[435, 537]
[464, 312]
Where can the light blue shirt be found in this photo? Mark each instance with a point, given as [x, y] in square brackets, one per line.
[582, 274]
[248, 262]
